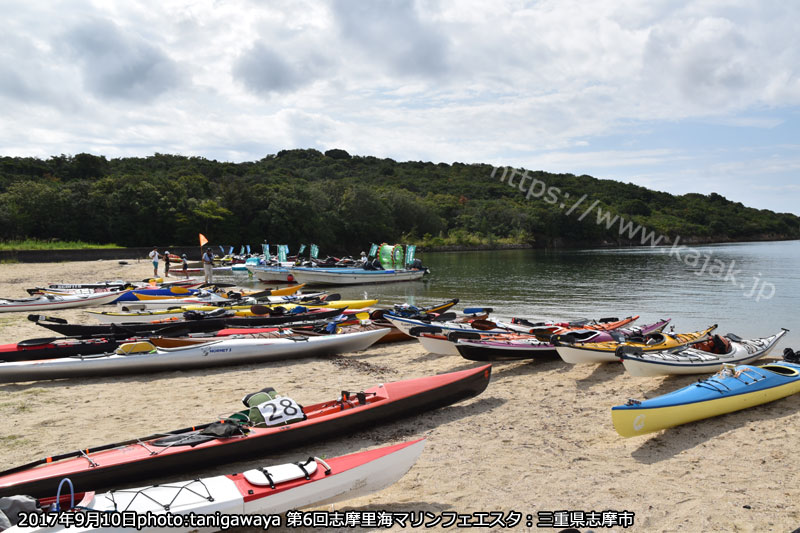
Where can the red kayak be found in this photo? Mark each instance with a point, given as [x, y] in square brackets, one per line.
[266, 490]
[236, 437]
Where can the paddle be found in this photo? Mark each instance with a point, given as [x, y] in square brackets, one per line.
[178, 330]
[264, 310]
[559, 340]
[445, 317]
[453, 336]
[36, 342]
[416, 331]
[118, 329]
[477, 310]
[42, 318]
[260, 294]
[259, 309]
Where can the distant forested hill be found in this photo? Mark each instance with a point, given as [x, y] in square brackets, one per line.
[344, 202]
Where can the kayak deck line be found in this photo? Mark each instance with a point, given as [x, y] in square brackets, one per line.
[236, 437]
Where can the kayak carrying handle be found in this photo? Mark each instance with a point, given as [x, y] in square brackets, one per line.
[71, 495]
[323, 463]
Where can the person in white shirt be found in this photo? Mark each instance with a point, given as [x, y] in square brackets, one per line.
[154, 257]
[208, 265]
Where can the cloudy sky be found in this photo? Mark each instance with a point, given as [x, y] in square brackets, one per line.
[698, 96]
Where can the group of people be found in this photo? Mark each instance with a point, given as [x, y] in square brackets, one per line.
[208, 263]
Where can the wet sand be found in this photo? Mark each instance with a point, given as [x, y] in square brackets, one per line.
[539, 439]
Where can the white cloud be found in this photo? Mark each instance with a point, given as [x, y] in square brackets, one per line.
[543, 84]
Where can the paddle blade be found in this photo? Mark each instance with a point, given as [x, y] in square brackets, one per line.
[42, 318]
[36, 342]
[477, 310]
[259, 309]
[445, 317]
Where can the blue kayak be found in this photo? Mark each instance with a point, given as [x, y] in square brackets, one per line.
[177, 292]
[731, 389]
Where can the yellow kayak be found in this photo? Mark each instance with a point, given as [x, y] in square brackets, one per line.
[336, 304]
[181, 292]
[604, 352]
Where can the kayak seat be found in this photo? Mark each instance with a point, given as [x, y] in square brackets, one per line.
[135, 347]
[655, 338]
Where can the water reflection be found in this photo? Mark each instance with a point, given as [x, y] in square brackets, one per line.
[615, 282]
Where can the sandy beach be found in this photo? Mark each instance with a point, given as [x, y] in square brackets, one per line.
[539, 439]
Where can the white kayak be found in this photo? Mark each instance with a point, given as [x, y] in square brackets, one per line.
[405, 325]
[704, 358]
[148, 356]
[265, 492]
[58, 301]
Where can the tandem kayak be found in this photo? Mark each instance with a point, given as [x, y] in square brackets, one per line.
[158, 355]
[702, 358]
[266, 490]
[731, 389]
[235, 438]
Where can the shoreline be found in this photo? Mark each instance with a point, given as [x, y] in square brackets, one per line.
[539, 439]
[140, 253]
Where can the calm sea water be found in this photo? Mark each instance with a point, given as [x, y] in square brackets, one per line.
[650, 282]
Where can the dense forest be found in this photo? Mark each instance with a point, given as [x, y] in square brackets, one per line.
[343, 202]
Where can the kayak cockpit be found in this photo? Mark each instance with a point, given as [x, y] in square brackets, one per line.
[781, 369]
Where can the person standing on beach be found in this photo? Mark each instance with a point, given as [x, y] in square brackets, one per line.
[208, 265]
[154, 259]
[185, 266]
[166, 264]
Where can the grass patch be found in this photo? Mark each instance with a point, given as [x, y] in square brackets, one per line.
[20, 407]
[52, 244]
[13, 441]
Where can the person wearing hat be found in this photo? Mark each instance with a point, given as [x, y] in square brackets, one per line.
[166, 264]
[208, 265]
[185, 265]
[154, 258]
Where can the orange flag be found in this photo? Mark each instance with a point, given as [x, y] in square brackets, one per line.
[203, 239]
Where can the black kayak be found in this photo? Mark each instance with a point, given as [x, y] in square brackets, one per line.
[205, 325]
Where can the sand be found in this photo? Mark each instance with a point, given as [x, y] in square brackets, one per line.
[539, 439]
